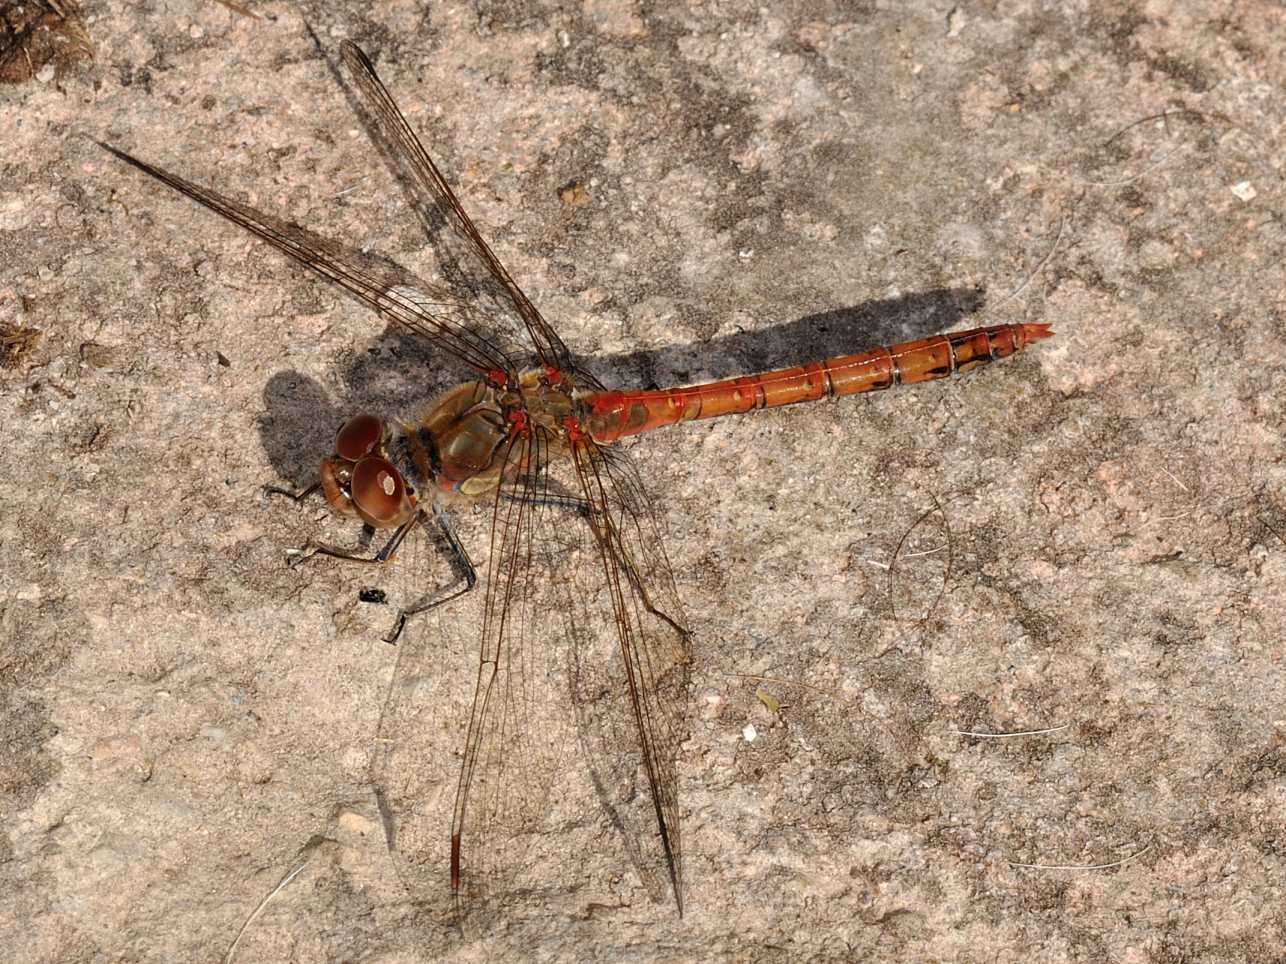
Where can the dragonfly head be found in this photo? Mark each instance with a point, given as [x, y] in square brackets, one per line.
[360, 481]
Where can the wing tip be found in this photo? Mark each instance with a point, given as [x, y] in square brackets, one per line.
[355, 56]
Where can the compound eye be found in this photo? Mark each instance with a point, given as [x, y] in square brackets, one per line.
[379, 493]
[358, 437]
[335, 476]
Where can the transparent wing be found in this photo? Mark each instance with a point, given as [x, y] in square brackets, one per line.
[581, 645]
[454, 325]
[481, 271]
[631, 700]
[514, 740]
[465, 770]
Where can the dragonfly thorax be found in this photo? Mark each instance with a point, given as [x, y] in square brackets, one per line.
[456, 444]
[468, 442]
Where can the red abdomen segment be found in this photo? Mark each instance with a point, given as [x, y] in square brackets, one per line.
[617, 414]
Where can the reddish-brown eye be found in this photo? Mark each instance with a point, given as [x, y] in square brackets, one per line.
[358, 437]
[379, 494]
[334, 476]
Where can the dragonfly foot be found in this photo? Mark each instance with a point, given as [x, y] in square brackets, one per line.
[298, 556]
[392, 636]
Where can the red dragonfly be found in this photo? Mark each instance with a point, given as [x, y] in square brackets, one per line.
[575, 557]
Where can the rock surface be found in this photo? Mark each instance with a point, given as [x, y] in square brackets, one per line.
[1083, 547]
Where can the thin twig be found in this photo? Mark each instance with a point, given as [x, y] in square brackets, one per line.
[349, 190]
[238, 8]
[1000, 736]
[305, 856]
[1062, 222]
[1164, 117]
[924, 552]
[946, 574]
[1114, 863]
[1174, 478]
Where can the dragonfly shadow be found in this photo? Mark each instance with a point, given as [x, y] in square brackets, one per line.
[840, 331]
[298, 427]
[399, 372]
[391, 376]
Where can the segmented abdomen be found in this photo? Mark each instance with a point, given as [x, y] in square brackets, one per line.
[616, 414]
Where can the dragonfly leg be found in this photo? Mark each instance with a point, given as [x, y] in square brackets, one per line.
[298, 556]
[641, 591]
[461, 565]
[289, 494]
[310, 549]
[466, 576]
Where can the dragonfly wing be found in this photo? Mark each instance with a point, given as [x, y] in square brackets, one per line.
[482, 272]
[466, 826]
[631, 700]
[434, 311]
[514, 739]
[577, 589]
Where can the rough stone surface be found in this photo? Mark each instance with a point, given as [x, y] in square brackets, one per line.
[687, 191]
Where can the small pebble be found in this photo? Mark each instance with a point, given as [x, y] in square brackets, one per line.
[1244, 190]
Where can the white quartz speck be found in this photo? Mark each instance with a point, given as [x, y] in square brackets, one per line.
[1244, 190]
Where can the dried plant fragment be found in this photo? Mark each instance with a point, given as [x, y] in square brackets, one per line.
[38, 36]
[17, 342]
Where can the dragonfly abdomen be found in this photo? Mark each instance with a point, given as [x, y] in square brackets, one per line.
[617, 414]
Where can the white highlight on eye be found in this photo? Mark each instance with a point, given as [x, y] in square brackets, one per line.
[387, 483]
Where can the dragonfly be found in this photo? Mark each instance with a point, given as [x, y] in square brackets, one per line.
[576, 556]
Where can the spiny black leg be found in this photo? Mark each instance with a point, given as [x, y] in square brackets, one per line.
[365, 537]
[390, 547]
[461, 564]
[311, 549]
[299, 555]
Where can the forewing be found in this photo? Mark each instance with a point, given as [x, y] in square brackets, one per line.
[480, 270]
[576, 581]
[454, 325]
[513, 743]
[631, 689]
[466, 840]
